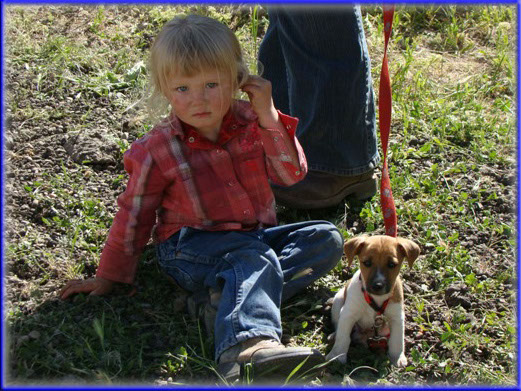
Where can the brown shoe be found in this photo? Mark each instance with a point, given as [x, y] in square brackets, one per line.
[322, 190]
[268, 357]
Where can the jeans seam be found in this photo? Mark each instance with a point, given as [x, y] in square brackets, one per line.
[239, 277]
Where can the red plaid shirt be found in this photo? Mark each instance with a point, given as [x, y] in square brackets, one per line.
[178, 178]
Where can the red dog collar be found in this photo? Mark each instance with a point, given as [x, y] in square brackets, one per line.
[379, 310]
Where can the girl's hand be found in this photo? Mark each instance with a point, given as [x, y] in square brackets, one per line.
[259, 93]
[93, 286]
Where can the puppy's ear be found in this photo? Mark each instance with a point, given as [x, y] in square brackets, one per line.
[408, 249]
[353, 247]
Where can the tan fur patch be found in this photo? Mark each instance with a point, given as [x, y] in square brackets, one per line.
[397, 292]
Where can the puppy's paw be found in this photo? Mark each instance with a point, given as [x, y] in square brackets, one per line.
[341, 357]
[399, 361]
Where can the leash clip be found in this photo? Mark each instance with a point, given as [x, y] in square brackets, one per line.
[378, 343]
[379, 322]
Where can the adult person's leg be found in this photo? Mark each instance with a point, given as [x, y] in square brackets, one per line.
[317, 60]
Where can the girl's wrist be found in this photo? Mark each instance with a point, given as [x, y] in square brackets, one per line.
[270, 119]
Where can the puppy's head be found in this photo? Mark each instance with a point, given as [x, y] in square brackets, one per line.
[380, 259]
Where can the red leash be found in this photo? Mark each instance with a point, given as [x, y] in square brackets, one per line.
[385, 108]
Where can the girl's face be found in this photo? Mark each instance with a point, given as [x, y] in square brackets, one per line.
[202, 100]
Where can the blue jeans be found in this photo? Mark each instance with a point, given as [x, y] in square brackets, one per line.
[254, 270]
[318, 63]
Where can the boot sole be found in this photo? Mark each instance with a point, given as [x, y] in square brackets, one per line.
[268, 365]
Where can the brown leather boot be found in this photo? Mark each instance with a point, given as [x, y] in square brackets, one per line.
[322, 190]
[269, 358]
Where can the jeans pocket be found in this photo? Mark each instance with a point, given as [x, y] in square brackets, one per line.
[181, 276]
[166, 251]
[170, 248]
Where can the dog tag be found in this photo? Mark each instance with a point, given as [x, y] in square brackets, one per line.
[377, 344]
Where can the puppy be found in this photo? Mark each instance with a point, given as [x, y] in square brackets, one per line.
[375, 291]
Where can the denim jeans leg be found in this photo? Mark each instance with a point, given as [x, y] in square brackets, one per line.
[274, 65]
[328, 72]
[306, 251]
[246, 271]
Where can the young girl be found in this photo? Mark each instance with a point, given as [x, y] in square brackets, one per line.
[202, 178]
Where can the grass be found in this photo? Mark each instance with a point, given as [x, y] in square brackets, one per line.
[452, 167]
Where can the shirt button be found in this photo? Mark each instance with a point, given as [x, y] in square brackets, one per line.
[234, 127]
[230, 184]
[246, 212]
[191, 140]
[276, 138]
[297, 172]
[288, 127]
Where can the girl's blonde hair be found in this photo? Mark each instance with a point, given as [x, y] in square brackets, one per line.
[190, 44]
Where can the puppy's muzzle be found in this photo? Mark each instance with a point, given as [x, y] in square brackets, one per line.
[379, 284]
